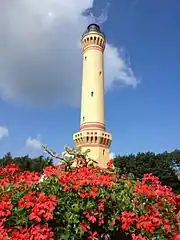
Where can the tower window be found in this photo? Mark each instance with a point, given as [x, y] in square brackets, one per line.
[103, 151]
[83, 119]
[92, 93]
[85, 58]
[100, 73]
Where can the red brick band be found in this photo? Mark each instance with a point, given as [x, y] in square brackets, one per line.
[95, 47]
[99, 126]
[94, 145]
[100, 123]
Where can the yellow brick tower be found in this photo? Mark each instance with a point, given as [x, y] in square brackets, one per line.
[92, 133]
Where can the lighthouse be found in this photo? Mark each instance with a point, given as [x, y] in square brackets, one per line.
[93, 134]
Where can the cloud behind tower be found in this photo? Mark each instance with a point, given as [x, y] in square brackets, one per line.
[40, 56]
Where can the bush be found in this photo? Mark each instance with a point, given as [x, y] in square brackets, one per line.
[84, 202]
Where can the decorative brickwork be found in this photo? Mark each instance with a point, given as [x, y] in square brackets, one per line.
[93, 138]
[95, 41]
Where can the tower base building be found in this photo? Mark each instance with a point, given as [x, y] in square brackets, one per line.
[92, 134]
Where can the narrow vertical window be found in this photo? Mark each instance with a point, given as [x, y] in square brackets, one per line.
[92, 94]
[100, 73]
[83, 119]
[103, 151]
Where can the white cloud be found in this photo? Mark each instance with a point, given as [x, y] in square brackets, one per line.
[34, 143]
[117, 69]
[112, 155]
[3, 132]
[40, 57]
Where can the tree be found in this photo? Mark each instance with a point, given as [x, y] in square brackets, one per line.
[26, 163]
[164, 165]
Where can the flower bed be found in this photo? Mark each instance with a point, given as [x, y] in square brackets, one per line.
[84, 203]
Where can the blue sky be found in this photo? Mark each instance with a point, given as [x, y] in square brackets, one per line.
[141, 118]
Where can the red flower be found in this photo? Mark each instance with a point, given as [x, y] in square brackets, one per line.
[138, 237]
[176, 237]
[91, 216]
[149, 223]
[93, 236]
[84, 226]
[94, 192]
[101, 204]
[166, 225]
[127, 219]
[101, 220]
[3, 232]
[110, 164]
[84, 194]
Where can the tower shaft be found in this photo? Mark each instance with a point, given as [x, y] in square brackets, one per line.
[92, 133]
[92, 98]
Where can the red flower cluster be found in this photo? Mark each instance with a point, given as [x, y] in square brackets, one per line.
[177, 203]
[127, 219]
[7, 174]
[34, 232]
[110, 164]
[5, 208]
[11, 174]
[157, 197]
[92, 193]
[80, 177]
[146, 223]
[52, 170]
[3, 232]
[151, 187]
[42, 206]
[176, 237]
[138, 237]
[143, 208]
